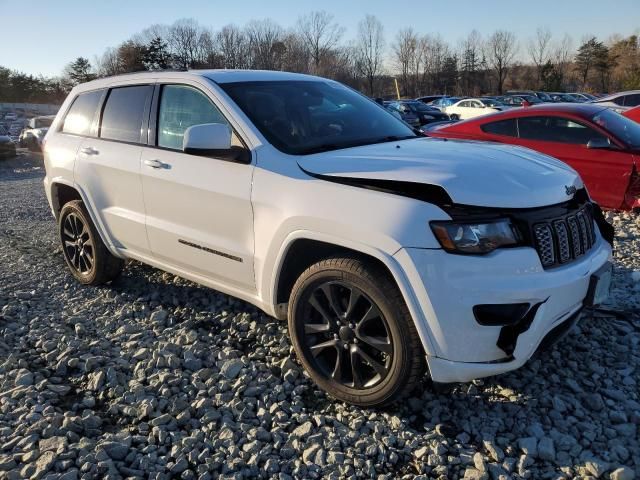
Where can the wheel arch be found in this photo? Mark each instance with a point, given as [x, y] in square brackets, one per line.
[63, 192]
[304, 248]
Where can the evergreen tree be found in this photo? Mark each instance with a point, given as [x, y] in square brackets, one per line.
[79, 71]
[156, 55]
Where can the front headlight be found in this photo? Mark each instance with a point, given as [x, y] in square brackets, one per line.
[476, 237]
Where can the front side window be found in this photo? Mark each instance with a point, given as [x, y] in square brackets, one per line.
[80, 116]
[300, 117]
[123, 113]
[181, 107]
[502, 127]
[556, 129]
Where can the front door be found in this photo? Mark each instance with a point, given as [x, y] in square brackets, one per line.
[198, 208]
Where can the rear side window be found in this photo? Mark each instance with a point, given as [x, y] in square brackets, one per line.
[556, 129]
[501, 127]
[80, 116]
[123, 113]
[180, 108]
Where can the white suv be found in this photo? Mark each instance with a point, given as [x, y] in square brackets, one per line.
[384, 249]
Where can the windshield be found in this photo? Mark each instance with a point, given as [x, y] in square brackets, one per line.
[301, 117]
[490, 102]
[622, 127]
[418, 107]
[531, 99]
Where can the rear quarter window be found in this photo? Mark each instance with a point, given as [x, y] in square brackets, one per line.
[80, 116]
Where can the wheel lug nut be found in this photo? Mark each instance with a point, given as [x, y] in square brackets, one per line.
[352, 326]
[345, 345]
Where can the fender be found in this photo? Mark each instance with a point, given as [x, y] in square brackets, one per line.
[387, 260]
[97, 221]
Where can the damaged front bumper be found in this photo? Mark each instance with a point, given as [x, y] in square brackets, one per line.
[460, 347]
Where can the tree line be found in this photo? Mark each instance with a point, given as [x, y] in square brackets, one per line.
[316, 44]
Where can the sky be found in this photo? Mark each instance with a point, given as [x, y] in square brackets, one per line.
[44, 37]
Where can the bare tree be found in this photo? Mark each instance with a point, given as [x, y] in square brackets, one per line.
[501, 49]
[471, 60]
[296, 56]
[562, 57]
[370, 49]
[539, 50]
[187, 42]
[320, 34]
[108, 63]
[233, 47]
[435, 51]
[265, 43]
[406, 58]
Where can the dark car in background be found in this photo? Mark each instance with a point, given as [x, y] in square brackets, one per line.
[7, 147]
[406, 115]
[559, 97]
[600, 144]
[520, 100]
[425, 113]
[542, 96]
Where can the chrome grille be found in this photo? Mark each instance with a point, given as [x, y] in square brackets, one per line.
[561, 240]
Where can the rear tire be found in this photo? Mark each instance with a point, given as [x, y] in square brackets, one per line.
[86, 255]
[353, 333]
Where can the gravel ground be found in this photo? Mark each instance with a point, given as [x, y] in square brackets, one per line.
[156, 377]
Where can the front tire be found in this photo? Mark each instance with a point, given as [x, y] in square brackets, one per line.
[86, 255]
[353, 333]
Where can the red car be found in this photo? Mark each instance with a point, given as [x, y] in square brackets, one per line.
[633, 114]
[600, 144]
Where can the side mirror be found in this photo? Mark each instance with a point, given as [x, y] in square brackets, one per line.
[207, 139]
[600, 142]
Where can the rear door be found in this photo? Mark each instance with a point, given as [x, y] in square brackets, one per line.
[199, 214]
[605, 172]
[108, 166]
[79, 122]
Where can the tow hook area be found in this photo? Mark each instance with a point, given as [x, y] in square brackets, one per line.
[509, 334]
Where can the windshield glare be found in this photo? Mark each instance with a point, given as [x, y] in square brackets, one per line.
[308, 116]
[620, 126]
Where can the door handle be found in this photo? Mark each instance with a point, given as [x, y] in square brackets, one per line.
[155, 163]
[90, 151]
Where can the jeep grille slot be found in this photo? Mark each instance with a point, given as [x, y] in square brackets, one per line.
[561, 240]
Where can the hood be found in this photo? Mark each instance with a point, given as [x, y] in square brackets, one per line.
[471, 173]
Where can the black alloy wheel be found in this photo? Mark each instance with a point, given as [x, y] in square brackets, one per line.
[353, 333]
[347, 335]
[86, 255]
[78, 244]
